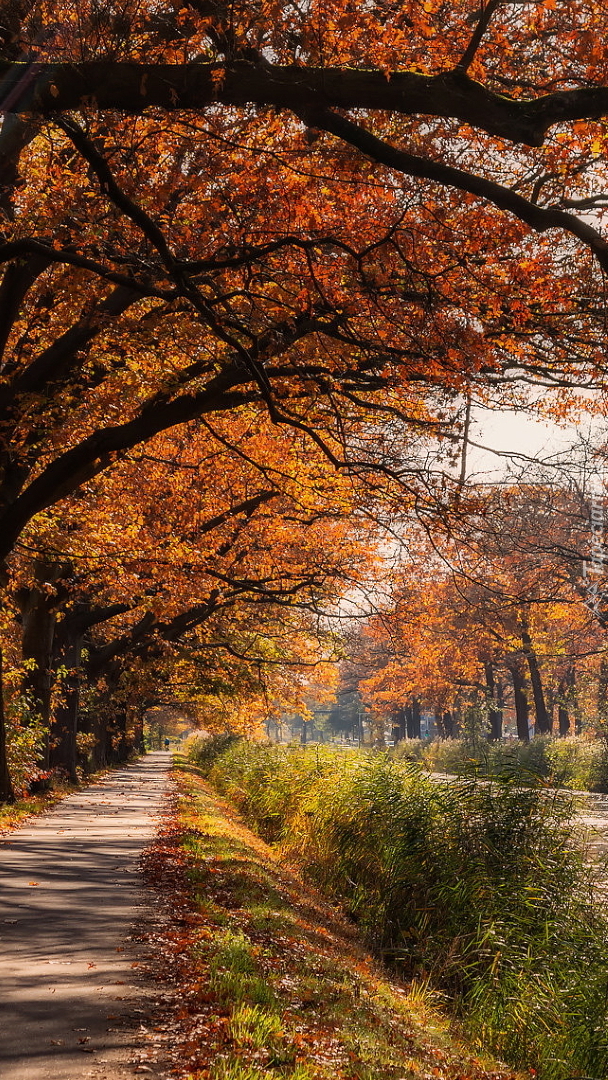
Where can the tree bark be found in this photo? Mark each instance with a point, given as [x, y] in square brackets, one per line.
[401, 724]
[543, 720]
[64, 725]
[7, 793]
[49, 88]
[564, 694]
[38, 618]
[415, 719]
[495, 716]
[602, 691]
[522, 712]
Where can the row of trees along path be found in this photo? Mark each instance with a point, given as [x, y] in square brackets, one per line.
[301, 235]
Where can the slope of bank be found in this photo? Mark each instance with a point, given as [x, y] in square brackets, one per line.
[278, 985]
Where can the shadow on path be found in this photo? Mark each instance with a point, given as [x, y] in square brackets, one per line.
[69, 894]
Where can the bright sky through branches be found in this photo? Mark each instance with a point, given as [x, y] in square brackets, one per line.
[507, 432]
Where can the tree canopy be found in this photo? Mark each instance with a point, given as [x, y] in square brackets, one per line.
[339, 222]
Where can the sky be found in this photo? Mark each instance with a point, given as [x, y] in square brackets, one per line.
[514, 433]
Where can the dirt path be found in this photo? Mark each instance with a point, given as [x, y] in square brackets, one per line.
[70, 1001]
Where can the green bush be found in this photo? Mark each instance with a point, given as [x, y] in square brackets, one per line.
[480, 887]
[579, 763]
[25, 735]
[204, 751]
[573, 762]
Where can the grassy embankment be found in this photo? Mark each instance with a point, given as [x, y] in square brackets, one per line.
[478, 890]
[284, 989]
[14, 814]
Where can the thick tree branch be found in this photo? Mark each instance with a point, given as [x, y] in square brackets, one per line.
[51, 364]
[541, 219]
[17, 249]
[91, 456]
[48, 89]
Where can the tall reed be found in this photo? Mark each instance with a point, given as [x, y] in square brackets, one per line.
[479, 887]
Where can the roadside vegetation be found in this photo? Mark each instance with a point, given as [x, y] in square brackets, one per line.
[15, 813]
[283, 987]
[576, 762]
[479, 890]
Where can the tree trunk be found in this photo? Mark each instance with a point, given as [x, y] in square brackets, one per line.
[7, 794]
[563, 719]
[602, 691]
[401, 724]
[566, 699]
[114, 736]
[543, 720]
[448, 724]
[38, 619]
[123, 745]
[563, 716]
[495, 706]
[415, 712]
[522, 712]
[64, 725]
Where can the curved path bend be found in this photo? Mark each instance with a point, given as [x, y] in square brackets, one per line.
[70, 1000]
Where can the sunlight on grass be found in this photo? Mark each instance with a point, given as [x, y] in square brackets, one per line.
[480, 893]
[289, 992]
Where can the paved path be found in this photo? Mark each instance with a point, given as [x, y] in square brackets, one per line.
[593, 815]
[69, 894]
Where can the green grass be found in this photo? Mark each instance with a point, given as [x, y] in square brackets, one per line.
[478, 890]
[289, 992]
[15, 814]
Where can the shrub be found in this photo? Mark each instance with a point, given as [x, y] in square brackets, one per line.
[203, 751]
[574, 762]
[25, 745]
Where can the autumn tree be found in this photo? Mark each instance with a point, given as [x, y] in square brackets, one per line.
[347, 218]
[502, 594]
[198, 548]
